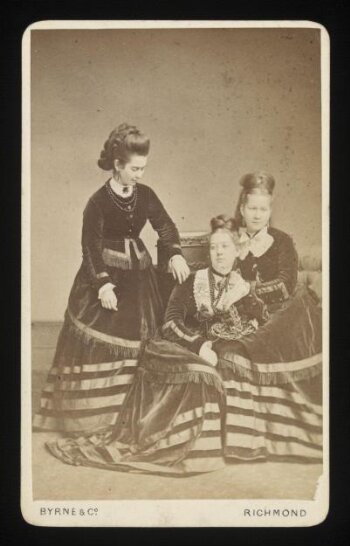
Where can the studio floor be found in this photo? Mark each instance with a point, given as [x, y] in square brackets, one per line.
[55, 480]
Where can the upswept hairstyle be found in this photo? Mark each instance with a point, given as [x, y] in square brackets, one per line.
[123, 141]
[222, 222]
[253, 183]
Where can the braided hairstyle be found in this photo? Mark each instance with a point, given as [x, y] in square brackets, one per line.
[122, 142]
[260, 183]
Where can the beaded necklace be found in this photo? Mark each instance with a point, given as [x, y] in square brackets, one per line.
[223, 286]
[230, 326]
[125, 204]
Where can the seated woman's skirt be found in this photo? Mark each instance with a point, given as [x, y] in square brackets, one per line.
[263, 401]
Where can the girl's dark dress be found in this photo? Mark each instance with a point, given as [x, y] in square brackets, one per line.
[261, 401]
[97, 350]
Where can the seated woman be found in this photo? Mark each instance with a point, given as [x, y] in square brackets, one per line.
[200, 397]
[283, 358]
[269, 261]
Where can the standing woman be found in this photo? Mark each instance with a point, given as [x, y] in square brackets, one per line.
[114, 304]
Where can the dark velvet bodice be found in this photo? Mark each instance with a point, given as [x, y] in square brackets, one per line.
[107, 226]
[276, 270]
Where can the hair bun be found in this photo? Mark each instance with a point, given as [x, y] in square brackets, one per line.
[122, 141]
[104, 161]
[222, 222]
[124, 130]
[258, 180]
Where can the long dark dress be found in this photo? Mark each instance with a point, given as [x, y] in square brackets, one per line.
[97, 350]
[285, 354]
[183, 415]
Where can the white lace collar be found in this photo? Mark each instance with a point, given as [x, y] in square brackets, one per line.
[257, 245]
[118, 187]
[236, 289]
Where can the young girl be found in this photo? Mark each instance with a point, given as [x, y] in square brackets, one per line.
[114, 304]
[199, 400]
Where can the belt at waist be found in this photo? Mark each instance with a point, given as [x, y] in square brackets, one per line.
[130, 254]
[123, 244]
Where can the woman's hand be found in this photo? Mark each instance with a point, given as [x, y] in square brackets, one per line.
[108, 298]
[206, 352]
[179, 268]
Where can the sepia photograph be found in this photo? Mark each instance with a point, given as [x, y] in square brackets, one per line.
[175, 273]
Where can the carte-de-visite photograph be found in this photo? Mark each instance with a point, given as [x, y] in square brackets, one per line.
[174, 328]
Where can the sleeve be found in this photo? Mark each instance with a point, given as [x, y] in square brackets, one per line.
[92, 245]
[280, 288]
[164, 226]
[174, 328]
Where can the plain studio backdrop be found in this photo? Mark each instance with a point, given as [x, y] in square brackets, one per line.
[216, 103]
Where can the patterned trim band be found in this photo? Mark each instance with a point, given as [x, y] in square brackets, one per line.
[272, 286]
[172, 326]
[122, 260]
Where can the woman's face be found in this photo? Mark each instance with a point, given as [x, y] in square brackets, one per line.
[133, 170]
[222, 251]
[256, 211]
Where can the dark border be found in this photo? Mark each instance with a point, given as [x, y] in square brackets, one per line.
[15, 16]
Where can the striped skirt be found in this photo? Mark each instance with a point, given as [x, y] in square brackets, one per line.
[86, 394]
[171, 421]
[97, 353]
[188, 417]
[273, 385]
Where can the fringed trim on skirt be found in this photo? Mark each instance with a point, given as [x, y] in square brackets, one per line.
[117, 347]
[122, 260]
[177, 378]
[267, 378]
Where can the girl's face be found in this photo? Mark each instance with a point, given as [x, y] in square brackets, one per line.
[133, 170]
[223, 251]
[256, 211]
